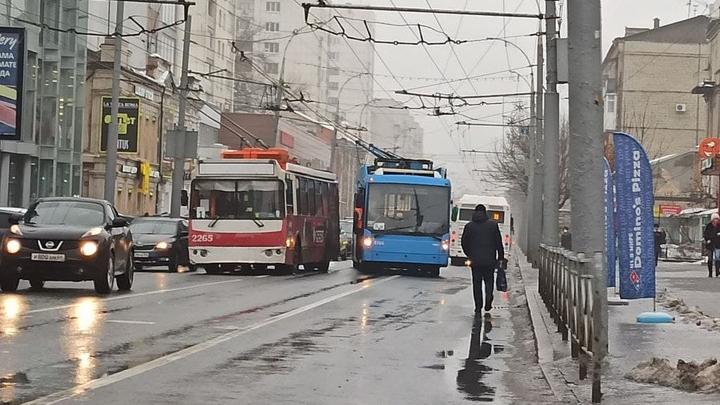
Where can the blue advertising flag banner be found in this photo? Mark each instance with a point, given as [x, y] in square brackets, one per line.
[634, 196]
[12, 56]
[610, 248]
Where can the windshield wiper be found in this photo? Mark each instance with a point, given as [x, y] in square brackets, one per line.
[258, 222]
[214, 222]
[418, 216]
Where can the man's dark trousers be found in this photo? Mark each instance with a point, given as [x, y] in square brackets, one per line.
[480, 275]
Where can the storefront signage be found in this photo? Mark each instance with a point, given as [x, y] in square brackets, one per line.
[12, 56]
[128, 124]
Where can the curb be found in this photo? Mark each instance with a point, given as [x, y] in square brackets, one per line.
[542, 334]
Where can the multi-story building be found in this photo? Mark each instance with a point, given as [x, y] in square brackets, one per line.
[647, 75]
[46, 160]
[395, 129]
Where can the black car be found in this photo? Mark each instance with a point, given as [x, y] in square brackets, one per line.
[160, 241]
[68, 239]
[6, 214]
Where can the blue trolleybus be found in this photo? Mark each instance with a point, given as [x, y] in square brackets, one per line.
[402, 215]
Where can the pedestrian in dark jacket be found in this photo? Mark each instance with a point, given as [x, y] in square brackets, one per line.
[711, 235]
[660, 239]
[482, 244]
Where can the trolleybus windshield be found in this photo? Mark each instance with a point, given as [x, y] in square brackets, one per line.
[237, 199]
[408, 209]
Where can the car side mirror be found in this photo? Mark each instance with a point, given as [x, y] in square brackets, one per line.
[119, 223]
[15, 219]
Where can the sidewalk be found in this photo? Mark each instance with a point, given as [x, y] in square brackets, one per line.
[630, 343]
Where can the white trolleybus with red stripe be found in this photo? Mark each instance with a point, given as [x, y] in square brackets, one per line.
[255, 210]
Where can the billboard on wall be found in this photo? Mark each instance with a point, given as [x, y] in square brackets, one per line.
[128, 121]
[12, 56]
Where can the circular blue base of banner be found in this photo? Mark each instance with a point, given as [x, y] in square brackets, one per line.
[655, 317]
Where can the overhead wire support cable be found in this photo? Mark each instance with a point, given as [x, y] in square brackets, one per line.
[322, 4]
[457, 97]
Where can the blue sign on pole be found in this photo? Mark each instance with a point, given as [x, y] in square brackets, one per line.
[634, 196]
[610, 240]
[12, 56]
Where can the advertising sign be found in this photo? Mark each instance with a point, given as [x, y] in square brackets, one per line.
[634, 196]
[610, 240]
[128, 122]
[12, 55]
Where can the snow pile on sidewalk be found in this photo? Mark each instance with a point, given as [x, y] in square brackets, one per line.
[691, 377]
[688, 314]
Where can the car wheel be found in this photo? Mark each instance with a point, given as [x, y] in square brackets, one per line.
[104, 282]
[125, 280]
[173, 265]
[9, 283]
[37, 284]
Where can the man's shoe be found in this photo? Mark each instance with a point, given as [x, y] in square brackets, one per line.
[488, 307]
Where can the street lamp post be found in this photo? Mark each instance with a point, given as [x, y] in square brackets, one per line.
[333, 141]
[281, 82]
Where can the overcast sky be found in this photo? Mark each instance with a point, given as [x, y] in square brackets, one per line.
[414, 65]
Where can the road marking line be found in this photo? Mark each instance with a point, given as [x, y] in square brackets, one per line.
[179, 355]
[263, 276]
[135, 295]
[130, 322]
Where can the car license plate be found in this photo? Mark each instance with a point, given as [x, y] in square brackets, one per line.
[47, 257]
[142, 255]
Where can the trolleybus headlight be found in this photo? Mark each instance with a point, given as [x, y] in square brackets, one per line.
[445, 245]
[12, 246]
[367, 241]
[290, 242]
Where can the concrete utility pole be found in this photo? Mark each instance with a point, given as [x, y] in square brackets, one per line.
[551, 155]
[178, 175]
[535, 195]
[112, 138]
[280, 93]
[586, 160]
[532, 157]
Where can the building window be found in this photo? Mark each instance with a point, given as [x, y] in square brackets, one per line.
[332, 85]
[273, 6]
[272, 47]
[272, 26]
[332, 55]
[332, 100]
[212, 8]
[271, 68]
[610, 103]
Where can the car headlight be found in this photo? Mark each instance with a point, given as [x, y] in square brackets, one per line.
[12, 246]
[163, 245]
[367, 241]
[88, 248]
[15, 229]
[93, 232]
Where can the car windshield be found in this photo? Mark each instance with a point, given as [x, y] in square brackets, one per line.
[411, 209]
[153, 227]
[74, 213]
[237, 199]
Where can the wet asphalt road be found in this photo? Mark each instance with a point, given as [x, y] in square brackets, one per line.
[308, 338]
